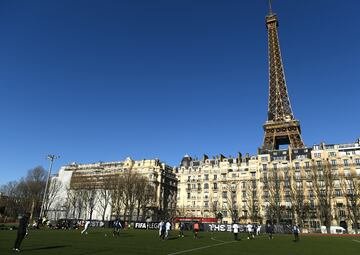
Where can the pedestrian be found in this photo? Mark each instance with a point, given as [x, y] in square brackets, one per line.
[296, 231]
[196, 228]
[235, 228]
[269, 230]
[167, 229]
[249, 230]
[160, 227]
[22, 231]
[182, 228]
[258, 230]
[117, 226]
[87, 224]
[254, 229]
[163, 230]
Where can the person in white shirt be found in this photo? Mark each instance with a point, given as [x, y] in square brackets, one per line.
[87, 224]
[160, 227]
[167, 226]
[249, 230]
[235, 228]
[258, 230]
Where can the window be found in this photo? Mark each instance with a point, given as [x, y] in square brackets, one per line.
[188, 195]
[297, 165]
[333, 162]
[318, 163]
[215, 185]
[253, 174]
[265, 167]
[275, 166]
[357, 161]
[243, 185]
[224, 194]
[206, 186]
[189, 178]
[244, 194]
[206, 177]
[264, 159]
[346, 162]
[311, 193]
[307, 165]
[332, 154]
[215, 177]
[206, 204]
[317, 155]
[338, 192]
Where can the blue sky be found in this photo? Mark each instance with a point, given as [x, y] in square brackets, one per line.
[102, 80]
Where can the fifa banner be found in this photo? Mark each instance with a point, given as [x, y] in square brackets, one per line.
[146, 225]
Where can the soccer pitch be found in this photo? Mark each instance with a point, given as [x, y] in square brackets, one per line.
[101, 241]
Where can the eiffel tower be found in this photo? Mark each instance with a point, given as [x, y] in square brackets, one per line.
[281, 128]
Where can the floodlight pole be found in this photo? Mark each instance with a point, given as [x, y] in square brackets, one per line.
[52, 158]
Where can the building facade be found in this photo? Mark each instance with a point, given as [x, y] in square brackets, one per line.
[130, 189]
[307, 186]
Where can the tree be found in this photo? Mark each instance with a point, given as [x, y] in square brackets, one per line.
[12, 204]
[350, 185]
[230, 201]
[300, 207]
[104, 199]
[89, 198]
[274, 189]
[252, 200]
[117, 193]
[323, 183]
[145, 195]
[53, 190]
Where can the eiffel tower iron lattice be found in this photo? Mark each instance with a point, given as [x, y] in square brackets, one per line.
[281, 128]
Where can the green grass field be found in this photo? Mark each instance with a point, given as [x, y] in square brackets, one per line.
[100, 241]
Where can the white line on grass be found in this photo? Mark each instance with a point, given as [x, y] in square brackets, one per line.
[356, 241]
[213, 238]
[200, 248]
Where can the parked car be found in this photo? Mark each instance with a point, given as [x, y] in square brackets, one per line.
[333, 230]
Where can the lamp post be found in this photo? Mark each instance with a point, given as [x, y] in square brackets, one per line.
[52, 158]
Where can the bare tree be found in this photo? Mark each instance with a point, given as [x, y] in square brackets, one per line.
[117, 193]
[89, 199]
[323, 183]
[300, 206]
[129, 198]
[252, 200]
[230, 202]
[350, 185]
[13, 205]
[104, 199]
[273, 186]
[52, 193]
[145, 195]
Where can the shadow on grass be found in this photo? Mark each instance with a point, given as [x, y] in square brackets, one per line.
[48, 247]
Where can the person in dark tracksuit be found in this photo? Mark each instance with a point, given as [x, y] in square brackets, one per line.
[270, 230]
[22, 231]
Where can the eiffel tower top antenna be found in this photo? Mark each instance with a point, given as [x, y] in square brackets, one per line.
[270, 8]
